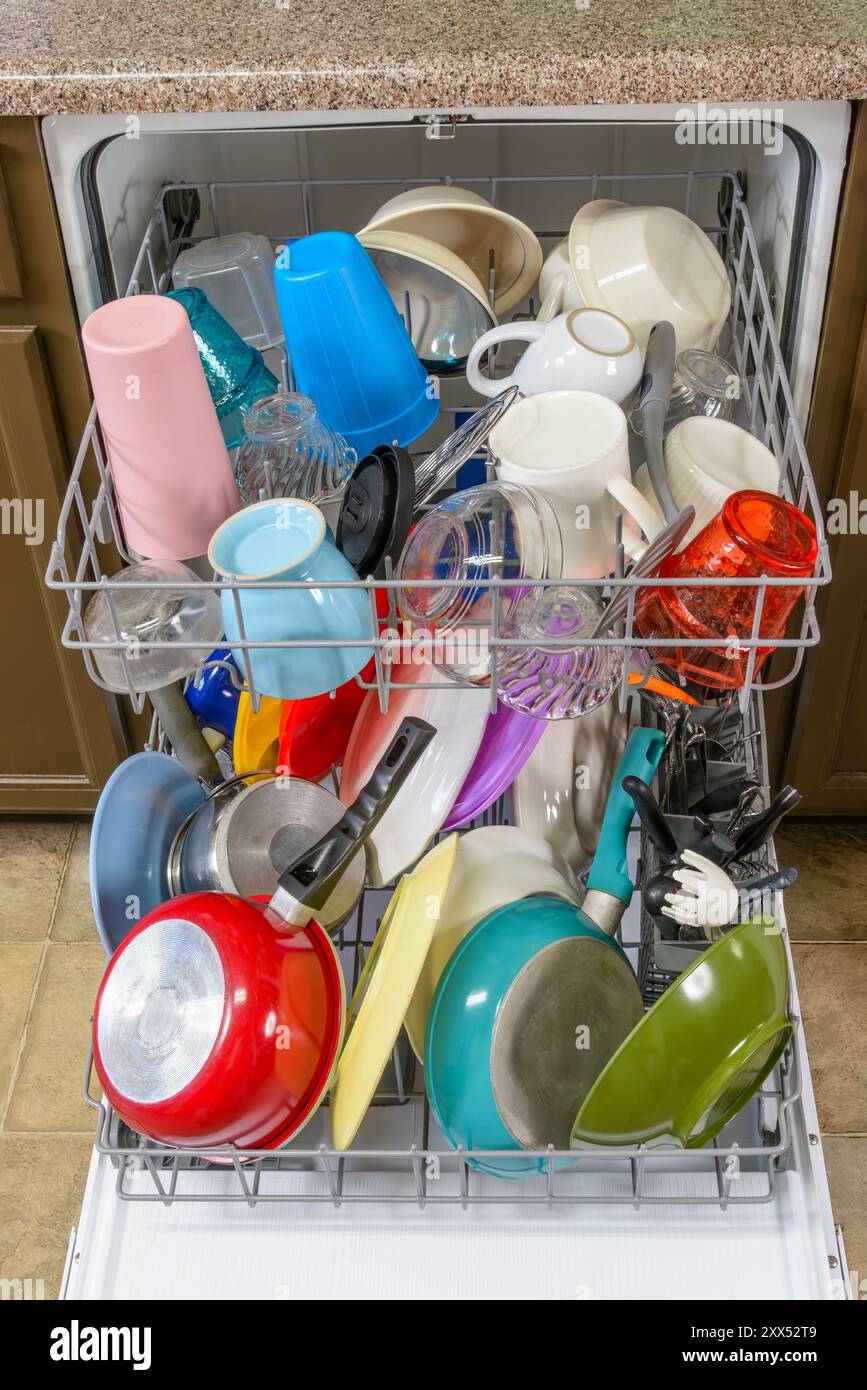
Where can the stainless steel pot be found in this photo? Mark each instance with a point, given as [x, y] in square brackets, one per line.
[243, 836]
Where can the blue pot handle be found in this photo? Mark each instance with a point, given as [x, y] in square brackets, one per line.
[608, 872]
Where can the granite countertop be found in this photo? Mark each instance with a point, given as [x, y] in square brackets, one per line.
[244, 55]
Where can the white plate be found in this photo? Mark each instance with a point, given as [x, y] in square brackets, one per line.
[561, 791]
[495, 865]
[428, 794]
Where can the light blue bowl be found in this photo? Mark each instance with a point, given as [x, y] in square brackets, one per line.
[143, 805]
[457, 1052]
[286, 539]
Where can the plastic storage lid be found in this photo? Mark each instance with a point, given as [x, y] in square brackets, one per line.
[377, 509]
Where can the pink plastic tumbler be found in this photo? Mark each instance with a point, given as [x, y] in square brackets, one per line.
[171, 470]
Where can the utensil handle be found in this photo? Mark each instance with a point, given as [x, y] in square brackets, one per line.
[650, 815]
[762, 827]
[306, 884]
[608, 872]
[653, 402]
[774, 882]
[526, 332]
[183, 733]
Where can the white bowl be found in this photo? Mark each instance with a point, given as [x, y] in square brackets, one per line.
[495, 865]
[650, 263]
[469, 226]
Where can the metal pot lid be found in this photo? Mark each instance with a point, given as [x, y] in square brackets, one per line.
[438, 468]
[268, 825]
[160, 1011]
[377, 509]
[562, 1018]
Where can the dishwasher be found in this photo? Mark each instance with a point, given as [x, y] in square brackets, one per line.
[400, 1215]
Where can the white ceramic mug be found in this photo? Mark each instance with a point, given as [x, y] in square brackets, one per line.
[572, 447]
[585, 350]
[706, 460]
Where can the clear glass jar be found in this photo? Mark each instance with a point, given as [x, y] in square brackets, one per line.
[704, 384]
[287, 451]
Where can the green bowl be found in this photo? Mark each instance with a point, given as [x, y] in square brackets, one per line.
[699, 1054]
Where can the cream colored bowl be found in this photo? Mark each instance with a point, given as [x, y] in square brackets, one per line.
[471, 228]
[646, 264]
[706, 460]
[495, 865]
[449, 310]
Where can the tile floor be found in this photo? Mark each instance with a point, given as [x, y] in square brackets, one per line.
[50, 964]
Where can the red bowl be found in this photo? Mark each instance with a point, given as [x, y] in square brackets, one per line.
[212, 1027]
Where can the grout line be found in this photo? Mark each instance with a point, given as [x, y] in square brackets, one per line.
[48, 1134]
[62, 879]
[22, 1041]
[796, 941]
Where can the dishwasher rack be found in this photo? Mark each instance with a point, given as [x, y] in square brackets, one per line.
[416, 1166]
[419, 1173]
[90, 531]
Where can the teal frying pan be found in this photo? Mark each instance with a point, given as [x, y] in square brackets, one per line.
[570, 1007]
[503, 1066]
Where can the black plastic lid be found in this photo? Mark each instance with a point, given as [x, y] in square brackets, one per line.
[377, 510]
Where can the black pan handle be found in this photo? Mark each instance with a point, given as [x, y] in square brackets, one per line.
[651, 816]
[307, 883]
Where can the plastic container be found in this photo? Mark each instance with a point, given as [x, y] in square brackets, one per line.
[152, 615]
[237, 275]
[170, 469]
[348, 345]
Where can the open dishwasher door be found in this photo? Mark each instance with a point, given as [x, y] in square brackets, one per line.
[400, 1216]
[402, 1221]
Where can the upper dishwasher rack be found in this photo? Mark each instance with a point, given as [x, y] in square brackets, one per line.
[90, 534]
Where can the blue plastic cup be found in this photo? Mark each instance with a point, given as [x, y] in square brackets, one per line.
[348, 345]
[235, 372]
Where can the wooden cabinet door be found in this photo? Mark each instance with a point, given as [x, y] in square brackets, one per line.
[817, 727]
[60, 736]
[56, 742]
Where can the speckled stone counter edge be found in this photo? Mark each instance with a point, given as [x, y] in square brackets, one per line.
[755, 74]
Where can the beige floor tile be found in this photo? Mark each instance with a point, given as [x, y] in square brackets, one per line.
[41, 1186]
[846, 1161]
[829, 900]
[73, 920]
[47, 1090]
[19, 962]
[832, 984]
[32, 855]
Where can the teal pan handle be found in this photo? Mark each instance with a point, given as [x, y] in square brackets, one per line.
[608, 872]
